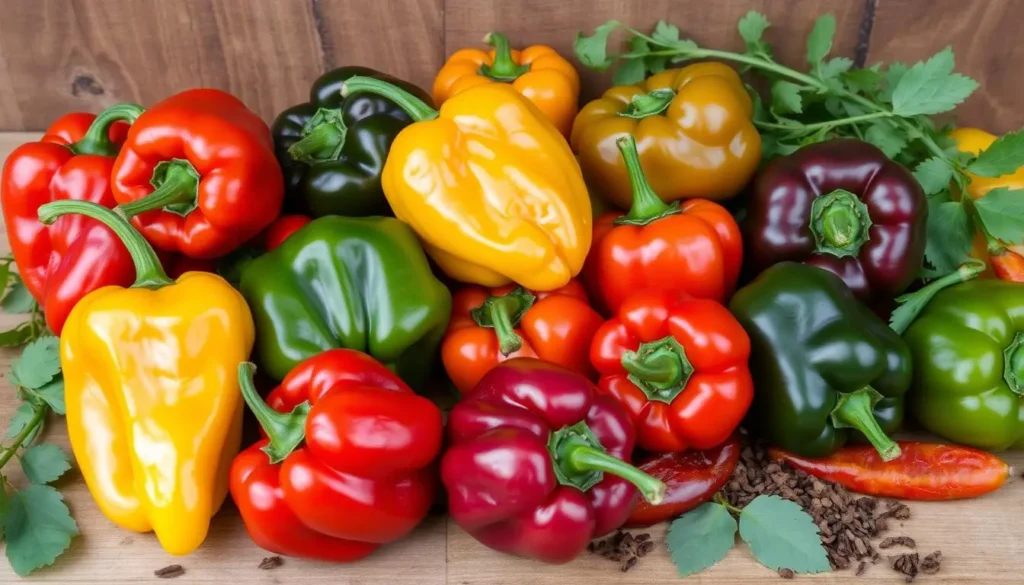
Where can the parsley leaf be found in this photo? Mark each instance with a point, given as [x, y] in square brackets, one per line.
[630, 72]
[819, 42]
[52, 393]
[786, 98]
[18, 300]
[38, 527]
[22, 415]
[39, 363]
[44, 463]
[949, 233]
[834, 67]
[934, 174]
[931, 87]
[893, 75]
[752, 27]
[667, 35]
[1002, 213]
[781, 535]
[1002, 157]
[592, 51]
[864, 81]
[886, 137]
[700, 538]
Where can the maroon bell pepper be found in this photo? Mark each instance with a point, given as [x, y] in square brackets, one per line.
[537, 465]
[844, 206]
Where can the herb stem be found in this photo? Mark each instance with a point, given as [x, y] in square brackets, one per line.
[35, 421]
[724, 502]
[825, 124]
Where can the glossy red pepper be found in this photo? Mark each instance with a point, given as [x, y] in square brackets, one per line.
[198, 175]
[282, 227]
[366, 474]
[71, 128]
[691, 478]
[922, 471]
[678, 365]
[538, 462]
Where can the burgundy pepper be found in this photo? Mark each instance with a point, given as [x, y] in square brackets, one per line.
[537, 465]
[844, 206]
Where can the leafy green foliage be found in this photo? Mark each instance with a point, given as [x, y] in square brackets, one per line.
[700, 538]
[52, 393]
[592, 51]
[786, 98]
[17, 301]
[22, 416]
[44, 463]
[886, 137]
[37, 527]
[781, 535]
[752, 27]
[819, 42]
[38, 364]
[1001, 211]
[949, 233]
[934, 174]
[931, 87]
[1003, 157]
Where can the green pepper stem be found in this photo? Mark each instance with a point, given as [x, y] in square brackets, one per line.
[581, 461]
[647, 206]
[322, 138]
[839, 223]
[176, 189]
[504, 67]
[148, 271]
[659, 368]
[911, 305]
[503, 314]
[414, 106]
[1013, 364]
[97, 137]
[285, 431]
[648, 104]
[855, 411]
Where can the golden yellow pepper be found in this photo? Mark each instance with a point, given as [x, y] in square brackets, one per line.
[489, 185]
[153, 403]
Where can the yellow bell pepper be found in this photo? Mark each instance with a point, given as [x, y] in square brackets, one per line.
[489, 185]
[153, 403]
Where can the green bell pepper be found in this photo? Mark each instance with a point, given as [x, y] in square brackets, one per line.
[825, 367]
[357, 283]
[969, 364]
[332, 148]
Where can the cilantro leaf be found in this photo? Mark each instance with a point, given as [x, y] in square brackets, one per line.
[752, 27]
[38, 527]
[39, 362]
[834, 67]
[781, 535]
[1002, 213]
[18, 300]
[864, 81]
[931, 87]
[949, 233]
[592, 51]
[886, 137]
[1002, 157]
[893, 75]
[44, 463]
[22, 415]
[630, 72]
[667, 35]
[52, 393]
[934, 174]
[700, 538]
[819, 42]
[786, 98]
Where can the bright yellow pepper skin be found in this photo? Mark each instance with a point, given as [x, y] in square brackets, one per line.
[693, 130]
[489, 185]
[154, 410]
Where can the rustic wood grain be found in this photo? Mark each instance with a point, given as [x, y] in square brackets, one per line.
[985, 35]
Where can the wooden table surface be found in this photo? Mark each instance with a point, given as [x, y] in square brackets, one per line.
[981, 540]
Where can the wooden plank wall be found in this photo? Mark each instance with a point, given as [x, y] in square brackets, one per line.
[63, 55]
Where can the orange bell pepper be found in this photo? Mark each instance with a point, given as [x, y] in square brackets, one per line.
[490, 326]
[538, 72]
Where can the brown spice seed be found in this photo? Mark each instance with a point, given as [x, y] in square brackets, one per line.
[932, 563]
[898, 541]
[270, 563]
[861, 568]
[170, 572]
[629, 564]
[786, 573]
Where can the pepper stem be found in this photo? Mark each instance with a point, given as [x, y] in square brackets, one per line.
[839, 223]
[414, 106]
[648, 104]
[148, 271]
[580, 461]
[175, 189]
[1013, 364]
[854, 411]
[910, 305]
[659, 368]
[647, 206]
[285, 431]
[97, 137]
[323, 137]
[503, 314]
[504, 67]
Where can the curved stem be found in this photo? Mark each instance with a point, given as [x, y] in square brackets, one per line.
[504, 67]
[148, 271]
[910, 305]
[659, 368]
[826, 124]
[503, 314]
[285, 431]
[323, 137]
[176, 189]
[30, 427]
[840, 223]
[725, 502]
[647, 206]
[854, 411]
[97, 137]
[582, 458]
[414, 106]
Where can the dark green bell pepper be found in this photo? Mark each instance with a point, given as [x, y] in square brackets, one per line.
[332, 148]
[968, 350]
[358, 283]
[824, 366]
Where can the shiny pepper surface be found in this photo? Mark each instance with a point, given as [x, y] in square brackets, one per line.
[693, 129]
[489, 185]
[154, 410]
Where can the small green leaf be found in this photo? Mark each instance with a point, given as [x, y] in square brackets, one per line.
[834, 67]
[893, 75]
[5, 275]
[667, 35]
[934, 174]
[629, 72]
[782, 536]
[1002, 157]
[931, 87]
[52, 393]
[38, 527]
[15, 337]
[949, 233]
[44, 463]
[864, 81]
[819, 42]
[592, 51]
[752, 27]
[786, 98]
[18, 300]
[22, 416]
[700, 538]
[1002, 212]
[39, 362]
[656, 63]
[886, 137]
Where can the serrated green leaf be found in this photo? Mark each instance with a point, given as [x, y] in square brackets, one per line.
[834, 67]
[863, 81]
[1002, 213]
[22, 416]
[949, 233]
[656, 63]
[18, 300]
[886, 137]
[752, 27]
[782, 536]
[592, 51]
[700, 538]
[1002, 157]
[893, 75]
[44, 463]
[16, 336]
[38, 527]
[39, 362]
[819, 42]
[934, 174]
[931, 87]
[786, 98]
[52, 393]
[629, 72]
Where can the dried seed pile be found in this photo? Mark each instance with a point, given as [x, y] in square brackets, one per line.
[624, 548]
[270, 563]
[169, 572]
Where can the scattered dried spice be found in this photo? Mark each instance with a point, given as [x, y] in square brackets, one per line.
[907, 563]
[624, 548]
[931, 563]
[786, 573]
[897, 541]
[270, 563]
[170, 572]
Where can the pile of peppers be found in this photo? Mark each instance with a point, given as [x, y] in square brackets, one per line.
[378, 243]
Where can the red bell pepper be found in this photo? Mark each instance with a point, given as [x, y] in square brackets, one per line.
[63, 262]
[490, 326]
[694, 246]
[538, 462]
[678, 365]
[282, 227]
[366, 474]
[197, 174]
